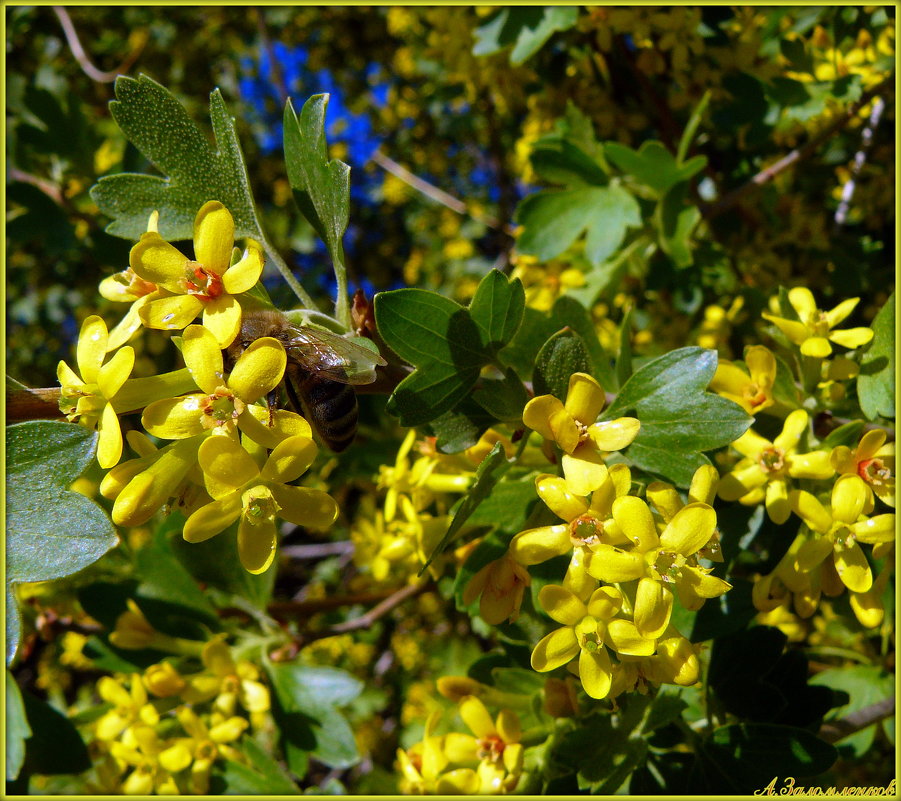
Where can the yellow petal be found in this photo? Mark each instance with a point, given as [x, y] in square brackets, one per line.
[875, 530]
[762, 365]
[816, 347]
[702, 584]
[624, 638]
[289, 460]
[794, 427]
[254, 422]
[703, 485]
[508, 726]
[214, 236]
[840, 312]
[729, 378]
[203, 358]
[115, 372]
[852, 568]
[851, 337]
[559, 497]
[170, 312]
[596, 672]
[243, 276]
[259, 370]
[634, 517]
[305, 507]
[555, 650]
[605, 603]
[256, 545]
[815, 464]
[868, 607]
[91, 349]
[679, 660]
[653, 607]
[849, 494]
[537, 545]
[750, 444]
[803, 302]
[689, 530]
[155, 260]
[538, 412]
[223, 317]
[614, 565]
[778, 506]
[129, 324]
[476, 716]
[614, 435]
[795, 331]
[584, 469]
[209, 520]
[109, 444]
[174, 418]
[227, 463]
[584, 398]
[561, 605]
[664, 498]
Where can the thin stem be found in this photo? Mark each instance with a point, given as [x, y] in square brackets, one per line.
[382, 609]
[342, 302]
[434, 193]
[866, 137]
[81, 56]
[285, 271]
[798, 154]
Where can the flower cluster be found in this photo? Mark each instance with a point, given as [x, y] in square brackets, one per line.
[230, 459]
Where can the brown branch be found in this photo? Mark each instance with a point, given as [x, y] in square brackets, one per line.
[32, 404]
[835, 730]
[291, 610]
[434, 193]
[382, 609]
[274, 67]
[81, 56]
[798, 154]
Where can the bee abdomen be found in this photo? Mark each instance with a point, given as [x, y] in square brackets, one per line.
[330, 407]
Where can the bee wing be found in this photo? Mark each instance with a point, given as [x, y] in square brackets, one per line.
[332, 356]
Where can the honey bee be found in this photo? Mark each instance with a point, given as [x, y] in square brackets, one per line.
[320, 374]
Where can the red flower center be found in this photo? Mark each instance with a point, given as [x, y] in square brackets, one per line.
[202, 282]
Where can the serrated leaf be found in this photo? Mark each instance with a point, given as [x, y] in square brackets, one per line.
[489, 472]
[51, 532]
[562, 355]
[553, 220]
[526, 28]
[497, 309]
[321, 187]
[429, 392]
[158, 125]
[876, 382]
[679, 419]
[653, 165]
[570, 312]
[461, 427]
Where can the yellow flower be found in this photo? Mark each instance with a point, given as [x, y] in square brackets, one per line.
[586, 525]
[814, 331]
[838, 530]
[227, 682]
[752, 389]
[676, 662]
[661, 563]
[424, 767]
[241, 489]
[764, 472]
[589, 629]
[226, 401]
[89, 398]
[141, 749]
[572, 426]
[207, 284]
[130, 707]
[874, 461]
[500, 586]
[203, 746]
[128, 287]
[496, 746]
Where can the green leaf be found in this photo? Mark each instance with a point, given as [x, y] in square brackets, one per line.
[876, 382]
[689, 133]
[528, 28]
[679, 419]
[624, 357]
[55, 747]
[440, 338]
[234, 778]
[562, 355]
[676, 221]
[306, 711]
[653, 165]
[553, 220]
[158, 125]
[51, 532]
[17, 728]
[321, 187]
[570, 312]
[461, 427]
[847, 435]
[504, 398]
[785, 391]
[497, 308]
[489, 472]
[753, 753]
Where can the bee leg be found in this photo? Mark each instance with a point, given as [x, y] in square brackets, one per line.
[272, 403]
